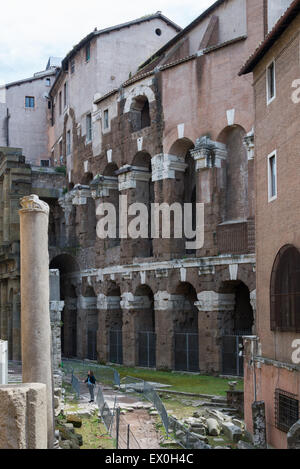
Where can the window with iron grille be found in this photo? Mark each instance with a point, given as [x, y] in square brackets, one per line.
[285, 291]
[286, 410]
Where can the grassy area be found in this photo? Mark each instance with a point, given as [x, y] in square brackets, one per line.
[182, 382]
[95, 435]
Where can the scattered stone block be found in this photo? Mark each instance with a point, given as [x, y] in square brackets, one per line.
[232, 432]
[213, 427]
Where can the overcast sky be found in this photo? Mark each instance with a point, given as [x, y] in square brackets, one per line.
[31, 31]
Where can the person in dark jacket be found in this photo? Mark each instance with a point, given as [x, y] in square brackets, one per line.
[91, 382]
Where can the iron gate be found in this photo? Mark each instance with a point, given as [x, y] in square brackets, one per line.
[232, 358]
[147, 349]
[116, 347]
[187, 352]
[92, 344]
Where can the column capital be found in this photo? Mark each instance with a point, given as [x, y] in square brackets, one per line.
[208, 154]
[128, 176]
[212, 301]
[131, 302]
[102, 185]
[32, 203]
[165, 166]
[108, 302]
[249, 143]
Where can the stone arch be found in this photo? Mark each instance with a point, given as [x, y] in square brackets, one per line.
[139, 91]
[110, 170]
[181, 147]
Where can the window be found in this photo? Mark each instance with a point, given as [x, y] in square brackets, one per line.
[72, 66]
[87, 53]
[286, 410]
[89, 128]
[68, 142]
[272, 176]
[285, 291]
[45, 163]
[60, 102]
[106, 119]
[271, 83]
[158, 32]
[29, 102]
[48, 82]
[65, 94]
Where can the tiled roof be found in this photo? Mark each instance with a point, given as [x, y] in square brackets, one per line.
[281, 25]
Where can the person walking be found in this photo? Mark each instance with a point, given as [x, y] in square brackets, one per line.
[91, 382]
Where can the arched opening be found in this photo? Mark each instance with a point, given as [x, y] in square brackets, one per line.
[285, 291]
[237, 322]
[185, 192]
[236, 194]
[140, 113]
[68, 268]
[145, 327]
[90, 322]
[186, 332]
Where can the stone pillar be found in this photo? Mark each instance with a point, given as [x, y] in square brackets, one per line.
[134, 183]
[23, 410]
[131, 305]
[259, 425]
[213, 308]
[3, 362]
[168, 177]
[164, 305]
[109, 318]
[210, 159]
[35, 315]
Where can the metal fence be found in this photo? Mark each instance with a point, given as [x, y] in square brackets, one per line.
[106, 413]
[103, 374]
[122, 433]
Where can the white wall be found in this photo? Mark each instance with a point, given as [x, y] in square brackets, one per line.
[276, 8]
